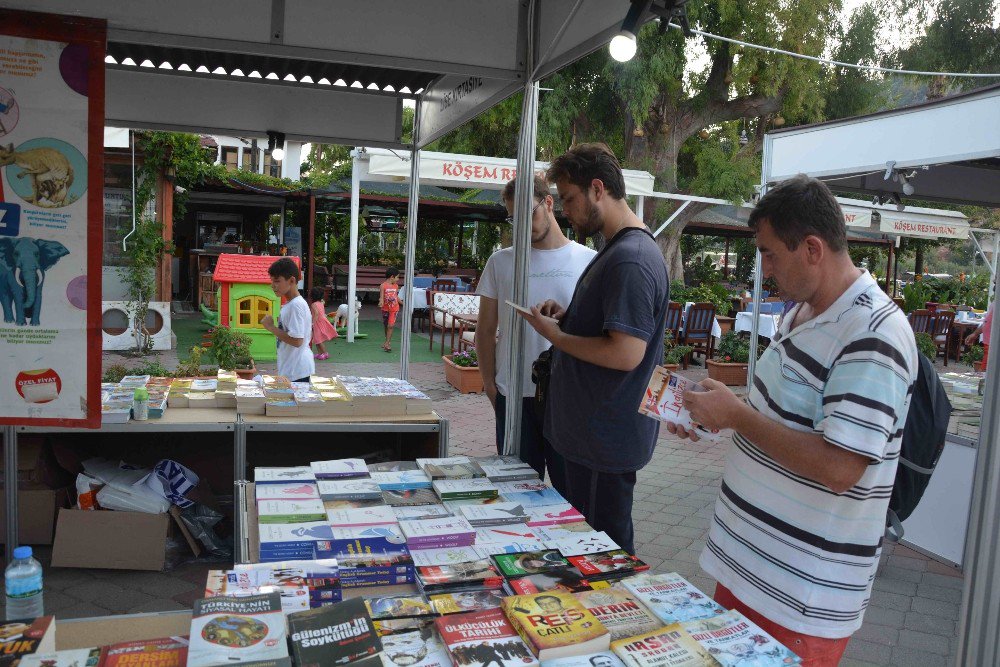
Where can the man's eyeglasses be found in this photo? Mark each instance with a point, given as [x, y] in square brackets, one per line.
[510, 219]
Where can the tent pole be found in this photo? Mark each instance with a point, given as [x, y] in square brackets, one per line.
[640, 206]
[522, 239]
[758, 271]
[888, 270]
[352, 262]
[410, 254]
[312, 243]
[461, 234]
[979, 620]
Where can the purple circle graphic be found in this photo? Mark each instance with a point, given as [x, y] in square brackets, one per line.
[73, 67]
[76, 292]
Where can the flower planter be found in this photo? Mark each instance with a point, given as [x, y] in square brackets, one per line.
[246, 373]
[727, 373]
[466, 379]
[672, 367]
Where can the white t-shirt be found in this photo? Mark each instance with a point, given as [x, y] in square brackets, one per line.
[552, 275]
[296, 320]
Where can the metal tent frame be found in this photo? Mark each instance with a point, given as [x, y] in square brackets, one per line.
[948, 150]
[250, 66]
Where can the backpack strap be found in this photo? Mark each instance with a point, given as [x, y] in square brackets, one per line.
[913, 466]
[893, 527]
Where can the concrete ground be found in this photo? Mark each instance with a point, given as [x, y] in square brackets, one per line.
[911, 619]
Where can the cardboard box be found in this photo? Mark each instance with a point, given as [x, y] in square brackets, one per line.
[36, 462]
[37, 507]
[116, 540]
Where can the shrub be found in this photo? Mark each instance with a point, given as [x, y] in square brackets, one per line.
[230, 348]
[926, 346]
[734, 348]
[672, 352]
[974, 354]
[466, 359]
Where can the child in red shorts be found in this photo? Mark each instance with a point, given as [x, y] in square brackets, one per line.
[388, 301]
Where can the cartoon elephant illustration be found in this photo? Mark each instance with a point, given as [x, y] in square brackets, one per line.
[23, 263]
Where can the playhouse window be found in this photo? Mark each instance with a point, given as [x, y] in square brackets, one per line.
[251, 310]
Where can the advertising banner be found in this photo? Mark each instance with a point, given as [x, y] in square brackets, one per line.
[51, 208]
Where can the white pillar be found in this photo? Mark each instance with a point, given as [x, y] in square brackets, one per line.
[291, 166]
[410, 254]
[352, 269]
[640, 205]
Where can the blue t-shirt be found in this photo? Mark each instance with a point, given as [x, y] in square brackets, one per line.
[592, 413]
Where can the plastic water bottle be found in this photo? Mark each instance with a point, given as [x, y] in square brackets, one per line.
[140, 404]
[23, 579]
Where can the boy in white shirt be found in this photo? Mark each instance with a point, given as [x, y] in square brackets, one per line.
[294, 327]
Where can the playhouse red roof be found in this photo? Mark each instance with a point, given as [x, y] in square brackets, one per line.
[245, 268]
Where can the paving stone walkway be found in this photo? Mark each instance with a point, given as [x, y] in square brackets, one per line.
[911, 620]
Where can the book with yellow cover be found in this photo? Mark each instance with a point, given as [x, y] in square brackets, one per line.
[555, 625]
[667, 647]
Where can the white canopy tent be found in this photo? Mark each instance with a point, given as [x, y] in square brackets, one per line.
[947, 150]
[337, 72]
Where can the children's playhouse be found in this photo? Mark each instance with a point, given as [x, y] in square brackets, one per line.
[245, 298]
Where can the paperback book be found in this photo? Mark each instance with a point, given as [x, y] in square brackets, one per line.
[671, 597]
[392, 466]
[420, 512]
[78, 657]
[418, 648]
[295, 491]
[506, 468]
[290, 511]
[497, 514]
[464, 601]
[351, 504]
[398, 606]
[237, 630]
[529, 562]
[619, 611]
[565, 579]
[608, 564]
[164, 652]
[481, 638]
[460, 489]
[555, 625]
[553, 515]
[507, 534]
[577, 544]
[284, 475]
[666, 647]
[338, 634]
[734, 640]
[454, 467]
[478, 574]
[446, 556]
[339, 469]
[348, 489]
[599, 659]
[530, 494]
[21, 637]
[402, 480]
[664, 401]
[451, 531]
[378, 515]
[410, 498]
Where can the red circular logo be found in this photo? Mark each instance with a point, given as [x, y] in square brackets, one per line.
[38, 386]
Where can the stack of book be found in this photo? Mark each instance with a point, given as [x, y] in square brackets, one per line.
[225, 389]
[294, 541]
[453, 467]
[157, 387]
[371, 556]
[340, 469]
[177, 394]
[437, 533]
[250, 398]
[280, 402]
[505, 468]
[116, 404]
[201, 393]
[349, 489]
[373, 398]
[465, 489]
[301, 584]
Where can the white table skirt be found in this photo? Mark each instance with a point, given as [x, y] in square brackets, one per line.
[768, 323]
[419, 298]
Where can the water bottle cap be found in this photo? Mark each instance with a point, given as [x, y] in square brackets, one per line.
[140, 394]
[22, 552]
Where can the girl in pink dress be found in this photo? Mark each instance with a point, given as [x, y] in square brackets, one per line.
[322, 329]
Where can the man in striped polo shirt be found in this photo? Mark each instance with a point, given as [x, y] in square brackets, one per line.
[798, 524]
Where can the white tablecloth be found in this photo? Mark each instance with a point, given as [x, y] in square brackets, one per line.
[768, 323]
[419, 298]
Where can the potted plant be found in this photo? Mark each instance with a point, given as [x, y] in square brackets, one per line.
[230, 349]
[974, 357]
[674, 354]
[926, 346]
[461, 370]
[731, 360]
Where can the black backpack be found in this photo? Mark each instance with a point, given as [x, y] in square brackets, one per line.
[923, 441]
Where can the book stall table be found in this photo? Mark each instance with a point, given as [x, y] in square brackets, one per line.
[406, 436]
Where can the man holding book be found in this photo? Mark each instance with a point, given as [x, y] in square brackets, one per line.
[798, 525]
[607, 341]
[555, 264]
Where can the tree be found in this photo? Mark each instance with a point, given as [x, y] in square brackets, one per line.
[686, 123]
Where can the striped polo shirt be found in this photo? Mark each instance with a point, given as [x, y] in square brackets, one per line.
[788, 547]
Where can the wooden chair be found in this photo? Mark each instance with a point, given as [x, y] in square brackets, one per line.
[698, 328]
[922, 321]
[444, 286]
[675, 318]
[442, 308]
[941, 332]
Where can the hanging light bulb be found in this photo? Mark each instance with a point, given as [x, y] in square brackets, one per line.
[744, 139]
[623, 46]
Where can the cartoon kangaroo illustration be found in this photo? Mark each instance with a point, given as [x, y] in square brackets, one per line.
[50, 172]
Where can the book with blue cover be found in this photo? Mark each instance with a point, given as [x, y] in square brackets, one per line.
[402, 480]
[530, 494]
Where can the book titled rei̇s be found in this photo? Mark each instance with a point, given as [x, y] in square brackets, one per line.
[555, 625]
[335, 635]
[236, 630]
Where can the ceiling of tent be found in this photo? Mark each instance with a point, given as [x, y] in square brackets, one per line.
[358, 61]
[951, 146]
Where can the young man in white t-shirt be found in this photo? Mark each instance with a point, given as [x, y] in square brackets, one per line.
[294, 327]
[555, 264]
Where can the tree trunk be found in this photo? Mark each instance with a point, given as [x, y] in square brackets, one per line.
[918, 259]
